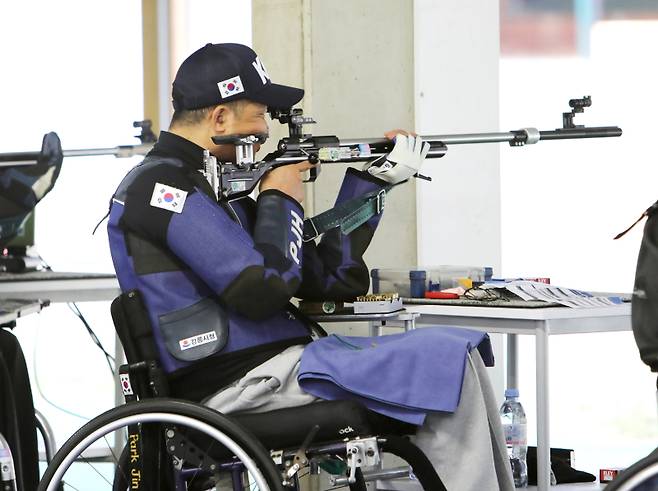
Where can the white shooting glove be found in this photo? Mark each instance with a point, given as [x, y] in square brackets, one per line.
[403, 162]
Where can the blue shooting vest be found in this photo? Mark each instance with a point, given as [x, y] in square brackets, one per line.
[216, 277]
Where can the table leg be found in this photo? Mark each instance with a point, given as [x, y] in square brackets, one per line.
[543, 433]
[512, 362]
[375, 328]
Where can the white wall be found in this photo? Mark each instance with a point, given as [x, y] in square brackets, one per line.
[457, 51]
[198, 22]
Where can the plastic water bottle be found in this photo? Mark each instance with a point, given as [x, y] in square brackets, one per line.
[512, 417]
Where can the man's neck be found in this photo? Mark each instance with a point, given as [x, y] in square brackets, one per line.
[193, 134]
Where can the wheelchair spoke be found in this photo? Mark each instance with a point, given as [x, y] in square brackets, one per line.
[194, 476]
[109, 447]
[96, 470]
[117, 464]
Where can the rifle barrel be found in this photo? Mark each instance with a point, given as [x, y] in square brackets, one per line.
[600, 132]
[472, 138]
[30, 158]
[447, 139]
[518, 136]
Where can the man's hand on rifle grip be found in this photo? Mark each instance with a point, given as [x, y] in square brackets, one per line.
[288, 179]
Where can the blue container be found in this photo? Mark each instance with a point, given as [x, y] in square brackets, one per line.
[417, 283]
[433, 286]
[375, 280]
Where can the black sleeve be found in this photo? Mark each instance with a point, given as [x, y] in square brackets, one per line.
[334, 268]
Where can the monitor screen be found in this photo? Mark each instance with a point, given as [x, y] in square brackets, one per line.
[25, 236]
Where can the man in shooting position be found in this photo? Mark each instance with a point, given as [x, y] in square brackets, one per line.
[217, 275]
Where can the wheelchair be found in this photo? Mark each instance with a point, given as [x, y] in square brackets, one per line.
[154, 442]
[641, 476]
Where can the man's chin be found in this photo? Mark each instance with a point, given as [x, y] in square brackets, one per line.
[228, 157]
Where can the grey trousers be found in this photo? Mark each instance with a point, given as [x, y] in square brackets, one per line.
[467, 447]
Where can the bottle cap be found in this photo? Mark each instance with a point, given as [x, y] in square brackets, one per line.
[512, 393]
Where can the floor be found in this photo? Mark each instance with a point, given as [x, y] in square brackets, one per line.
[594, 486]
[561, 487]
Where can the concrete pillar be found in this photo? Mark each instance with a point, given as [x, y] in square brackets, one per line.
[355, 61]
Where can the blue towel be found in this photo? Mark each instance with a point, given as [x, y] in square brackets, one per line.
[400, 375]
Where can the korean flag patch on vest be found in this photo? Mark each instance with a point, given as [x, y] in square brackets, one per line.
[168, 198]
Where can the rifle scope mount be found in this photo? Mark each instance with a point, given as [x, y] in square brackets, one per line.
[294, 118]
[577, 106]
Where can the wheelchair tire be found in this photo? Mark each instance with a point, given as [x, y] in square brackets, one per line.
[641, 476]
[255, 458]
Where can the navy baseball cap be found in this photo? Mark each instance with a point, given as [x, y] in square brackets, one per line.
[228, 72]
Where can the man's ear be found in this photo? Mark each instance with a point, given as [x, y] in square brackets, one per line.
[220, 118]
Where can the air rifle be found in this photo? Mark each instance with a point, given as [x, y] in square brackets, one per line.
[239, 178]
[235, 179]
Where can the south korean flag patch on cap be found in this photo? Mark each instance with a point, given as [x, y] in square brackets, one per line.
[168, 198]
[230, 86]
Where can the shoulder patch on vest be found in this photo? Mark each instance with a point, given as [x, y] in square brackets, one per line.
[168, 198]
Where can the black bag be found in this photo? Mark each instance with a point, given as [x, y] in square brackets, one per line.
[645, 291]
[17, 420]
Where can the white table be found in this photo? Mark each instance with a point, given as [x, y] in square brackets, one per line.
[540, 322]
[59, 287]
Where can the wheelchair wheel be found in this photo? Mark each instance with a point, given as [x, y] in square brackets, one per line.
[189, 447]
[641, 476]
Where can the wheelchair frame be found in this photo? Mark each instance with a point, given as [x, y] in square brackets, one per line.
[145, 389]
